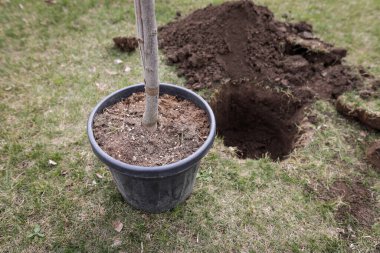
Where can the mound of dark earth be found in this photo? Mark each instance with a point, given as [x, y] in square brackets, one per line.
[243, 42]
[239, 49]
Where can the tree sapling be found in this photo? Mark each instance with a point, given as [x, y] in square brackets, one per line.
[148, 44]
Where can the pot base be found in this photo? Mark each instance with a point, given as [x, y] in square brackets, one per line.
[156, 195]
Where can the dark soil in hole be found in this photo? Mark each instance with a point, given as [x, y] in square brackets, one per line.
[126, 44]
[257, 120]
[182, 129]
[241, 44]
[358, 202]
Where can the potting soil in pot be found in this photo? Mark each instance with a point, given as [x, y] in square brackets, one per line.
[182, 129]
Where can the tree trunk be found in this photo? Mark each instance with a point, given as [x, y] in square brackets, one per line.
[148, 44]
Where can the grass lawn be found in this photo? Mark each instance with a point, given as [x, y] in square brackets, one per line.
[57, 61]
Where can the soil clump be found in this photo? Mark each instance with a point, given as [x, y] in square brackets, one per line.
[366, 95]
[126, 44]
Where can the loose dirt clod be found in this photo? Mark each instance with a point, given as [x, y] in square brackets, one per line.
[362, 115]
[182, 129]
[362, 105]
[373, 155]
[239, 44]
[126, 44]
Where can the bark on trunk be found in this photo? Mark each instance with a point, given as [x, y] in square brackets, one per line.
[148, 44]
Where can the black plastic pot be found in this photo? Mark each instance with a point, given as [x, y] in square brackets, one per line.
[161, 188]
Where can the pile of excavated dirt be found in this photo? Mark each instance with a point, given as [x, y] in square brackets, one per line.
[240, 50]
[243, 42]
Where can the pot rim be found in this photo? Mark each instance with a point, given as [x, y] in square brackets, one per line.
[154, 171]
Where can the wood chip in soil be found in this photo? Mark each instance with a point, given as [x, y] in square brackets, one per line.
[182, 129]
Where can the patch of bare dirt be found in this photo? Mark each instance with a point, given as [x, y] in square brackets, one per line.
[126, 44]
[358, 202]
[182, 129]
[373, 155]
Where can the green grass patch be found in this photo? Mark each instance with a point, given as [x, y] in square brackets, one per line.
[58, 61]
